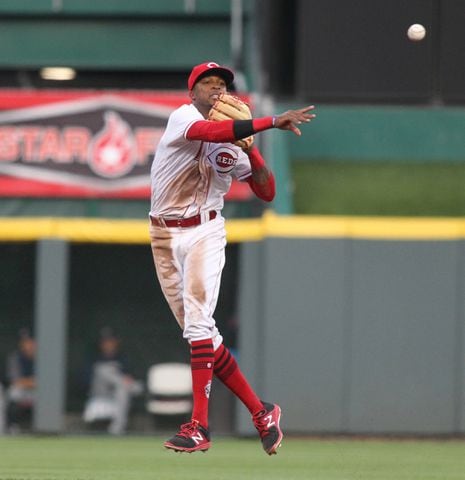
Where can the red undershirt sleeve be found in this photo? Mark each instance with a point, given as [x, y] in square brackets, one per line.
[209, 131]
[227, 130]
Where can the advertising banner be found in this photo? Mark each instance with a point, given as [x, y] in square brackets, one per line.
[83, 144]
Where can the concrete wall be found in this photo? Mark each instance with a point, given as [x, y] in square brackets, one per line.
[355, 335]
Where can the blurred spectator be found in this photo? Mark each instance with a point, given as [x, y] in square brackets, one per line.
[111, 385]
[20, 395]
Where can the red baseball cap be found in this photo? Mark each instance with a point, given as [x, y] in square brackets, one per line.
[209, 68]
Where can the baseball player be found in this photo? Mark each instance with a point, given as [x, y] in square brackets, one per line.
[192, 170]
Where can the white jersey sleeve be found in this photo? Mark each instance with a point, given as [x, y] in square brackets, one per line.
[179, 123]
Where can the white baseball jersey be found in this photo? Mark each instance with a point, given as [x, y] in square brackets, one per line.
[192, 176]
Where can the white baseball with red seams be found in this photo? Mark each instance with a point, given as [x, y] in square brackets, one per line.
[190, 178]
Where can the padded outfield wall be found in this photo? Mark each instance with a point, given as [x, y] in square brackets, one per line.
[355, 325]
[351, 324]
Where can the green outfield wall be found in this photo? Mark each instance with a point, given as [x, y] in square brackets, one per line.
[383, 133]
[373, 160]
[137, 35]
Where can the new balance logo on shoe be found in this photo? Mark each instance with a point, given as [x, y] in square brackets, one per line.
[198, 437]
[192, 437]
[270, 421]
[267, 424]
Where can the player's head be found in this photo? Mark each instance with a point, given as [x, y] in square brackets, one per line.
[209, 68]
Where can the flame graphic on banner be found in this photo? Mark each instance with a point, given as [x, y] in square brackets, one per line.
[112, 152]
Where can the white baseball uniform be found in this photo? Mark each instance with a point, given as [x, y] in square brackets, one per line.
[190, 178]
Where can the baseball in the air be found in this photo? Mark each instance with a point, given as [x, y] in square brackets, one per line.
[416, 32]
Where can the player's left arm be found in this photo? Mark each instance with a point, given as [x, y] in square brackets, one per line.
[262, 181]
[232, 130]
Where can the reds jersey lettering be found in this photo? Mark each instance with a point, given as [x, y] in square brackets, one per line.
[223, 159]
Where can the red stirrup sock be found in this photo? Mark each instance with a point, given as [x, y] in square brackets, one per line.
[202, 361]
[228, 371]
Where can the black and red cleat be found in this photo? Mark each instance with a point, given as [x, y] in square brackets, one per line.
[192, 437]
[267, 424]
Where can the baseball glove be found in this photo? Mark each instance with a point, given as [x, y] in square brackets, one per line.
[230, 107]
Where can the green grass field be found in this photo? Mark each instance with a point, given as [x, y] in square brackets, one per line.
[140, 458]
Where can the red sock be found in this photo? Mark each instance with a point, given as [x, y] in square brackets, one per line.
[227, 370]
[202, 361]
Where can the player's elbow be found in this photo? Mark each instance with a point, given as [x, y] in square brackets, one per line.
[264, 191]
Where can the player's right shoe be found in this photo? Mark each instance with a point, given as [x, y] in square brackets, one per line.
[267, 423]
[192, 437]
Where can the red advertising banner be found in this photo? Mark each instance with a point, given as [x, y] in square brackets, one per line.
[83, 144]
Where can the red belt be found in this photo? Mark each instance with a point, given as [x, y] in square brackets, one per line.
[180, 222]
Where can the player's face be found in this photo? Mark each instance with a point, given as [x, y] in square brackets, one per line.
[206, 91]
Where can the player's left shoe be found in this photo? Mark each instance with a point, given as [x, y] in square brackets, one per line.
[267, 424]
[192, 437]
